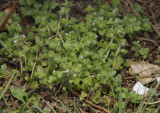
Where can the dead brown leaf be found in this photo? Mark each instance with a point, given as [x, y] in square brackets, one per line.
[143, 70]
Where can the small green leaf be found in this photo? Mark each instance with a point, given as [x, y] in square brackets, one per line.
[30, 2]
[44, 63]
[22, 2]
[21, 53]
[53, 5]
[77, 68]
[34, 85]
[18, 93]
[83, 94]
[127, 63]
[52, 79]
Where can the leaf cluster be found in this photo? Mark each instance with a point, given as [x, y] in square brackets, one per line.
[88, 54]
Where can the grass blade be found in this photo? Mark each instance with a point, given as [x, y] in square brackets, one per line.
[64, 106]
[4, 75]
[14, 72]
[7, 104]
[155, 89]
[91, 108]
[38, 108]
[75, 108]
[25, 105]
[49, 106]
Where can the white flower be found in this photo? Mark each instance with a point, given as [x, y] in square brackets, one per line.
[66, 24]
[119, 31]
[15, 41]
[40, 5]
[95, 20]
[92, 75]
[69, 44]
[38, 69]
[89, 42]
[81, 56]
[138, 42]
[94, 23]
[24, 36]
[115, 21]
[67, 70]
[113, 12]
[104, 55]
[98, 74]
[122, 43]
[16, 36]
[43, 19]
[66, 34]
[1, 66]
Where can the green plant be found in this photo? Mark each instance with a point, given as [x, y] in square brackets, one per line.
[139, 51]
[88, 54]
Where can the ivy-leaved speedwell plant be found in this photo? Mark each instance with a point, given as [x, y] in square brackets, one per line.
[88, 54]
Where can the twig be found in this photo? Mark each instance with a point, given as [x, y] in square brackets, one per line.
[4, 6]
[149, 76]
[150, 103]
[146, 39]
[8, 61]
[156, 30]
[61, 87]
[89, 102]
[152, 48]
[9, 14]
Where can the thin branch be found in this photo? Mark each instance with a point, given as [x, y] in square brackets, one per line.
[156, 30]
[8, 61]
[150, 40]
[9, 14]
[61, 86]
[150, 103]
[89, 102]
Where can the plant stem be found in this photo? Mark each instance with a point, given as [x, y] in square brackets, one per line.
[34, 63]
